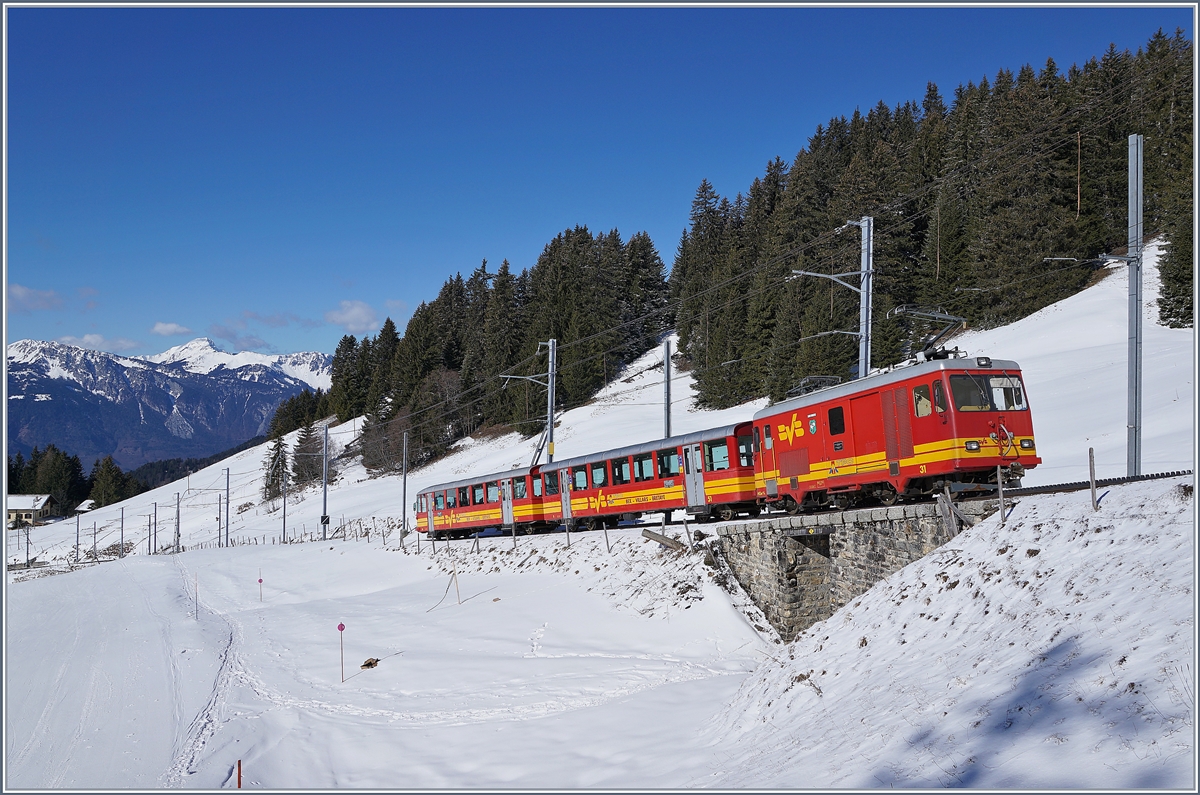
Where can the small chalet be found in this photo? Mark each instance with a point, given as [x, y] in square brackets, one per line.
[30, 508]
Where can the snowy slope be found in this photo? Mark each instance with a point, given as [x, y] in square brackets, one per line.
[630, 668]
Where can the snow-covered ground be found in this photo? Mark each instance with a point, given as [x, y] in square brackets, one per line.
[1055, 651]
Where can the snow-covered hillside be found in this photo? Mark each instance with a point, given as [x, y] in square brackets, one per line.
[1055, 651]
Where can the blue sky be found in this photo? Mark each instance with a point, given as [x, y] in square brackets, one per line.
[274, 178]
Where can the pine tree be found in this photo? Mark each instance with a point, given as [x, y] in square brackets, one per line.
[275, 470]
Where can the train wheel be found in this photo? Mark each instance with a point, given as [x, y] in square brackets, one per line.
[887, 496]
[754, 512]
[791, 506]
[726, 512]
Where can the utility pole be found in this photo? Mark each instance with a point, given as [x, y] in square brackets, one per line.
[283, 538]
[1134, 439]
[156, 528]
[121, 549]
[325, 486]
[864, 289]
[76, 538]
[666, 389]
[550, 399]
[177, 522]
[404, 489]
[226, 506]
[550, 374]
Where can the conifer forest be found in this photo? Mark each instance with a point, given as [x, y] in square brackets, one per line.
[970, 194]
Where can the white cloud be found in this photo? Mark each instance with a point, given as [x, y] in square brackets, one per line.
[356, 317]
[23, 299]
[169, 329]
[99, 342]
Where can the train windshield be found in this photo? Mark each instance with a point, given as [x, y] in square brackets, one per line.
[988, 393]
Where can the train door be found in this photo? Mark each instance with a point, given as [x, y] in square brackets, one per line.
[866, 418]
[506, 502]
[693, 475]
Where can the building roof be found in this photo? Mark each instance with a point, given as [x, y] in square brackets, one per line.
[28, 502]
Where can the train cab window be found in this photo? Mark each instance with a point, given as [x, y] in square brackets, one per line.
[757, 439]
[439, 501]
[493, 491]
[422, 504]
[1007, 394]
[643, 467]
[767, 436]
[970, 393]
[922, 406]
[620, 471]
[668, 462]
[939, 397]
[551, 483]
[745, 451]
[837, 421]
[450, 501]
[477, 495]
[716, 456]
[598, 475]
[464, 496]
[519, 492]
[579, 478]
[537, 486]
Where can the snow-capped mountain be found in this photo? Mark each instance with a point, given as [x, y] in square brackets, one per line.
[202, 356]
[191, 401]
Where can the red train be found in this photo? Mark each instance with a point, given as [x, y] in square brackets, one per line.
[901, 434]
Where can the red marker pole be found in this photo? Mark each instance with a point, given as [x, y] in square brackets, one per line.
[342, 649]
[239, 774]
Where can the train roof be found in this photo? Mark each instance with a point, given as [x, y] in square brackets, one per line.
[647, 447]
[883, 379]
[471, 481]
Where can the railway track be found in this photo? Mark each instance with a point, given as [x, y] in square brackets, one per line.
[1084, 484]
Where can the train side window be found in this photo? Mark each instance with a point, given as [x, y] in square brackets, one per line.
[450, 494]
[767, 436]
[477, 494]
[922, 406]
[757, 439]
[598, 473]
[493, 491]
[519, 488]
[464, 496]
[745, 452]
[551, 482]
[579, 476]
[643, 467]
[421, 503]
[837, 421]
[716, 456]
[620, 471]
[668, 462]
[439, 501]
[939, 397]
[537, 486]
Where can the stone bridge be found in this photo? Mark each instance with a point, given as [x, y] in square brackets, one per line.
[801, 569]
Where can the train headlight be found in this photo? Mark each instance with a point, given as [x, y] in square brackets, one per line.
[983, 361]
[1027, 444]
[972, 446]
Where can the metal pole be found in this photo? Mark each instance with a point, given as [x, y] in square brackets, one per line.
[550, 404]
[283, 538]
[226, 506]
[404, 490]
[666, 389]
[95, 554]
[156, 527]
[149, 540]
[76, 538]
[864, 297]
[177, 521]
[121, 551]
[1134, 443]
[1092, 477]
[1000, 491]
[325, 487]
